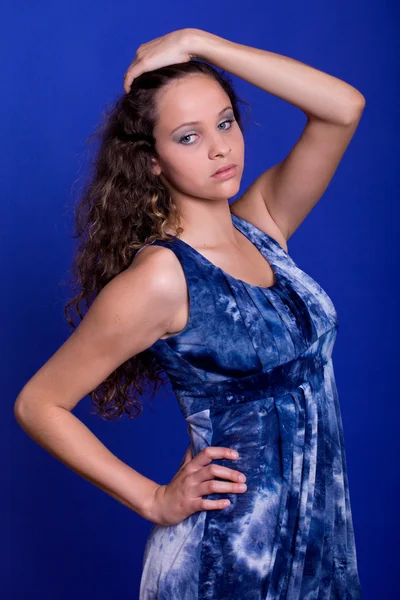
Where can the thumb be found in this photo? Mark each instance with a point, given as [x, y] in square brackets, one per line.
[187, 458]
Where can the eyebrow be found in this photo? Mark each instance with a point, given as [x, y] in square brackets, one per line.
[197, 122]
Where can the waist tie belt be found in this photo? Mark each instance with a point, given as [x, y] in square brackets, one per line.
[275, 382]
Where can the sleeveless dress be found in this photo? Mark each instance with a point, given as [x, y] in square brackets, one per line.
[252, 370]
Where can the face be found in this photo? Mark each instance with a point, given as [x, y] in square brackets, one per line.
[188, 155]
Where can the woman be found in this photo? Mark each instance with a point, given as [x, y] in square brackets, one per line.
[245, 336]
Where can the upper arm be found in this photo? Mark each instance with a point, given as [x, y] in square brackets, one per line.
[129, 314]
[292, 187]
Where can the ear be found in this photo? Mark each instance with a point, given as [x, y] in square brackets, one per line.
[155, 166]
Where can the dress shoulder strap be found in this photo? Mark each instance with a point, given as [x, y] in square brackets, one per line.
[257, 235]
[201, 287]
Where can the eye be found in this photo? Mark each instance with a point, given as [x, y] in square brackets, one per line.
[231, 120]
[228, 121]
[185, 138]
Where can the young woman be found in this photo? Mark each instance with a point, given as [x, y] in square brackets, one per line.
[214, 301]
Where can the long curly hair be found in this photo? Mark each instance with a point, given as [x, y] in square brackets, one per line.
[123, 206]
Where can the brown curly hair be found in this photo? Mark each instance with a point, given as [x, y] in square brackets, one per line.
[123, 206]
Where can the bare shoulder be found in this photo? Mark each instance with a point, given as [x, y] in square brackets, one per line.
[149, 292]
[160, 267]
[166, 267]
[251, 207]
[133, 311]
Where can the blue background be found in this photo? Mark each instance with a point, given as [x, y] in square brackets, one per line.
[61, 64]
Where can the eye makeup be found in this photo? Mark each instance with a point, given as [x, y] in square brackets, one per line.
[229, 120]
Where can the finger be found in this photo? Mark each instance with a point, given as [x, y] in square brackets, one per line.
[131, 74]
[210, 453]
[128, 79]
[187, 457]
[204, 504]
[214, 486]
[215, 470]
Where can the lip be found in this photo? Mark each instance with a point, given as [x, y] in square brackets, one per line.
[225, 171]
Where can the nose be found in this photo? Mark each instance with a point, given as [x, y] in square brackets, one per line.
[219, 145]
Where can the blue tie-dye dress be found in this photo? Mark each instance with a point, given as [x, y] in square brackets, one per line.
[252, 370]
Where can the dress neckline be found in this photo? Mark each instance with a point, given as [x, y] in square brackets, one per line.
[236, 219]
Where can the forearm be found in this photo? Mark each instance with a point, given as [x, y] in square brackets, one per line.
[64, 436]
[316, 93]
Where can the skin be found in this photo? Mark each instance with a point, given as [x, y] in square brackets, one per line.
[115, 328]
[186, 165]
[187, 156]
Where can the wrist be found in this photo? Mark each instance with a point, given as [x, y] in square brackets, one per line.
[201, 43]
[150, 509]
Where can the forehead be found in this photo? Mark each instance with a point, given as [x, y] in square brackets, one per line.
[192, 98]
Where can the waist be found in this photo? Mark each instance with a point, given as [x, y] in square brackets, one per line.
[277, 381]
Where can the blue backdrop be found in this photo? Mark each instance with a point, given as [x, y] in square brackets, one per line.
[61, 64]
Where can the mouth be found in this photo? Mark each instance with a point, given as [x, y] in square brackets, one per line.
[225, 171]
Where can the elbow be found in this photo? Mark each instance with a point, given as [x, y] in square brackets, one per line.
[23, 408]
[356, 109]
[19, 410]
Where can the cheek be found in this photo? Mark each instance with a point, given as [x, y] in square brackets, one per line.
[188, 165]
[239, 142]
[185, 173]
